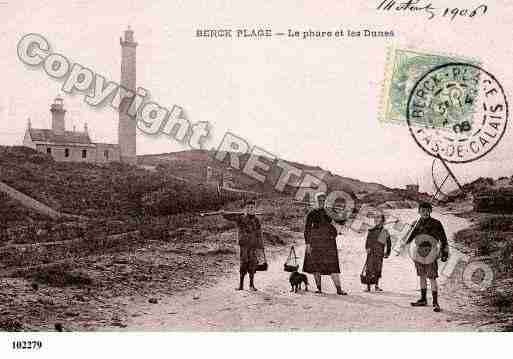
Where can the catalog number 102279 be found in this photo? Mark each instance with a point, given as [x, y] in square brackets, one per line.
[27, 344]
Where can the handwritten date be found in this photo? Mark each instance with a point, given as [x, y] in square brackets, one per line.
[423, 6]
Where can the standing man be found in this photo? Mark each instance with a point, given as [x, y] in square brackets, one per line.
[250, 241]
[321, 253]
[431, 244]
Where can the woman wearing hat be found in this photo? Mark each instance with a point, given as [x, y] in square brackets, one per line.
[321, 254]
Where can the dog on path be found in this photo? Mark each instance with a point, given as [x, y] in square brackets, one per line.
[296, 279]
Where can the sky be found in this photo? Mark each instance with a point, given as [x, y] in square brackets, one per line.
[315, 101]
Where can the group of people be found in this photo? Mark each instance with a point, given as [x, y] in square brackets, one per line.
[321, 253]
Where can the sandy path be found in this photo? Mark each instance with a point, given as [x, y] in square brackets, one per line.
[273, 307]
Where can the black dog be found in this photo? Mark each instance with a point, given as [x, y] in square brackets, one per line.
[296, 279]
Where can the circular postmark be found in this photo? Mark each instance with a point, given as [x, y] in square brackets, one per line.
[457, 111]
[425, 249]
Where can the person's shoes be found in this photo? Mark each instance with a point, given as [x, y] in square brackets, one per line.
[378, 289]
[318, 291]
[253, 288]
[419, 303]
[436, 308]
[239, 288]
[366, 290]
[341, 292]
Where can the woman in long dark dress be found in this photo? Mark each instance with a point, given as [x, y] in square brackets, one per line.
[321, 254]
[378, 246]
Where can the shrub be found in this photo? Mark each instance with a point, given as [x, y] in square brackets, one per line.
[60, 275]
[499, 223]
[100, 191]
[11, 325]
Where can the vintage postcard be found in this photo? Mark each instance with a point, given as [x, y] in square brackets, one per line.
[238, 166]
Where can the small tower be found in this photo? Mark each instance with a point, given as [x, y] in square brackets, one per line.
[227, 179]
[127, 125]
[58, 112]
[209, 174]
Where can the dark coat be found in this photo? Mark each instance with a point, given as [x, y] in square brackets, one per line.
[250, 230]
[250, 240]
[321, 235]
[434, 228]
[379, 244]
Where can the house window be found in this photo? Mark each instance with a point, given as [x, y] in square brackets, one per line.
[49, 150]
[106, 153]
[66, 152]
[84, 153]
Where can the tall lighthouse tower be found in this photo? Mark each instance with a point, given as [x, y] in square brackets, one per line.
[127, 125]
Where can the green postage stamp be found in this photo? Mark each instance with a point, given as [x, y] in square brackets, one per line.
[403, 69]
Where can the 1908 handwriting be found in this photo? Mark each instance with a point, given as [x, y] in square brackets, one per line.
[427, 8]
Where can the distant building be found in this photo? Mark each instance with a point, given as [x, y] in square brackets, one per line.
[503, 182]
[69, 146]
[220, 178]
[214, 176]
[412, 188]
[76, 146]
[228, 181]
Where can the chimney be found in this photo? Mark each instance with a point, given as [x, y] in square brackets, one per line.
[58, 111]
[29, 123]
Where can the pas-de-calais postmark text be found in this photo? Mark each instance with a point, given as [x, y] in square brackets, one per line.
[458, 111]
[403, 69]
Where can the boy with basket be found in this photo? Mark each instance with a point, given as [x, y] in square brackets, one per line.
[250, 242]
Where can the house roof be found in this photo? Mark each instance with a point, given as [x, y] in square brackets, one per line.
[48, 136]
